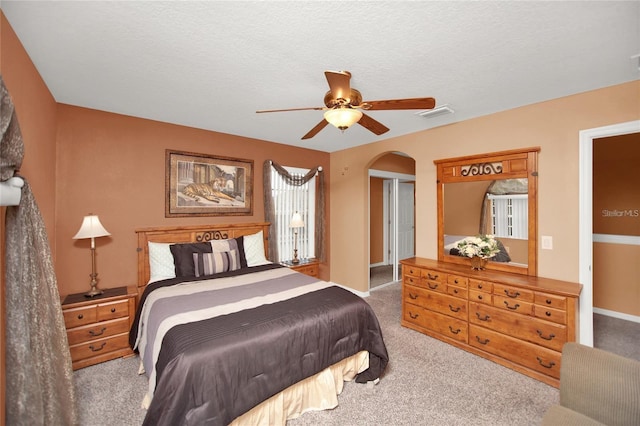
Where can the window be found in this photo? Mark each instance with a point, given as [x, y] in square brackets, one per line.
[509, 216]
[287, 200]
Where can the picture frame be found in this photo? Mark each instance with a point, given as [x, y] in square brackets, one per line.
[207, 185]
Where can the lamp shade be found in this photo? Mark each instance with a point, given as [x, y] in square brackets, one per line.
[296, 221]
[343, 118]
[91, 228]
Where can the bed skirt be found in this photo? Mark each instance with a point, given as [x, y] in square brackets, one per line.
[315, 393]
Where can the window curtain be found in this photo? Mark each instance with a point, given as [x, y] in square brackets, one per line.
[39, 376]
[269, 212]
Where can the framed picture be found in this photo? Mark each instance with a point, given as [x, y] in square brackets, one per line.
[206, 185]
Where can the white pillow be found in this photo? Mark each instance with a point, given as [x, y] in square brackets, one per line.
[161, 266]
[254, 249]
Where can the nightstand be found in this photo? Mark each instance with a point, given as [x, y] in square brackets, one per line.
[306, 266]
[98, 327]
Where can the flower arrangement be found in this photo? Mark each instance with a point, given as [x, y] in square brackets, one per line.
[484, 246]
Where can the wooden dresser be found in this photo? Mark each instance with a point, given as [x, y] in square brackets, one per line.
[98, 327]
[518, 321]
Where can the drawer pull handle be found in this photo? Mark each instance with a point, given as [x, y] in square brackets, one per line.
[99, 333]
[93, 349]
[432, 277]
[485, 318]
[549, 365]
[482, 342]
[455, 281]
[513, 308]
[479, 297]
[113, 310]
[456, 331]
[548, 301]
[551, 336]
[480, 286]
[411, 271]
[455, 291]
[413, 316]
[413, 296]
[548, 313]
[432, 287]
[80, 316]
[454, 309]
[512, 295]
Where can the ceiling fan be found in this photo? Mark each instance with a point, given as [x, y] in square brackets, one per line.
[344, 106]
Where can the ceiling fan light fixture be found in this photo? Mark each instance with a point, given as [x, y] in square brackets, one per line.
[343, 118]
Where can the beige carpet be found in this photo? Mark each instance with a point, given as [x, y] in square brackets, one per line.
[427, 382]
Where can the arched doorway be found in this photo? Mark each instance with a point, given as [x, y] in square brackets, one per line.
[391, 216]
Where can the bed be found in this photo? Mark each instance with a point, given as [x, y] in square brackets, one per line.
[227, 337]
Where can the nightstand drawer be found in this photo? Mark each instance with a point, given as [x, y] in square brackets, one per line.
[97, 331]
[111, 310]
[80, 316]
[99, 346]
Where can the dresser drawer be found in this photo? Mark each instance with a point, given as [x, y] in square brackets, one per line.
[540, 332]
[550, 314]
[457, 291]
[480, 285]
[442, 303]
[411, 270]
[525, 308]
[80, 316]
[480, 296]
[99, 346]
[550, 300]
[435, 276]
[514, 293]
[97, 331]
[458, 280]
[537, 358]
[445, 325]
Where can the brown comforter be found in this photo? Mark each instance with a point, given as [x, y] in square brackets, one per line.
[213, 370]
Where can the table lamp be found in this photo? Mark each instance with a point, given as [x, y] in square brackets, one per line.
[92, 228]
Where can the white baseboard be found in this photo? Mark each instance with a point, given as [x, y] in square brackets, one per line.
[373, 265]
[614, 314]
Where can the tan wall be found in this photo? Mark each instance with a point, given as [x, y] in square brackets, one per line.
[554, 126]
[114, 166]
[616, 278]
[616, 211]
[36, 110]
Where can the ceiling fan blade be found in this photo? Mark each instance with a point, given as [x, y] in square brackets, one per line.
[413, 103]
[291, 109]
[372, 125]
[321, 125]
[339, 83]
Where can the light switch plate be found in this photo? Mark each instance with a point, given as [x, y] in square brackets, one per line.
[547, 242]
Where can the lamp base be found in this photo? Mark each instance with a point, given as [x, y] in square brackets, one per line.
[95, 291]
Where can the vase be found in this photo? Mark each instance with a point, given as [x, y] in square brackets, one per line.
[478, 263]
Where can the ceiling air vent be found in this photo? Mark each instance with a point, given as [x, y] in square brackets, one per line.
[435, 112]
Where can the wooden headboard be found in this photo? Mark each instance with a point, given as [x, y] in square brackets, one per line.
[190, 234]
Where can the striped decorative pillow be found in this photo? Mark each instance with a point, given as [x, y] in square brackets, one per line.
[214, 263]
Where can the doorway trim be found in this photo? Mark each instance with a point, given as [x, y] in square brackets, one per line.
[585, 220]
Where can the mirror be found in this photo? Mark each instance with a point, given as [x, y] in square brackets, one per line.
[490, 194]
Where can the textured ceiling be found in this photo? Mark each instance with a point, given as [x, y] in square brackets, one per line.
[211, 65]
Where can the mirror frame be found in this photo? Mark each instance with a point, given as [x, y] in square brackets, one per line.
[519, 163]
